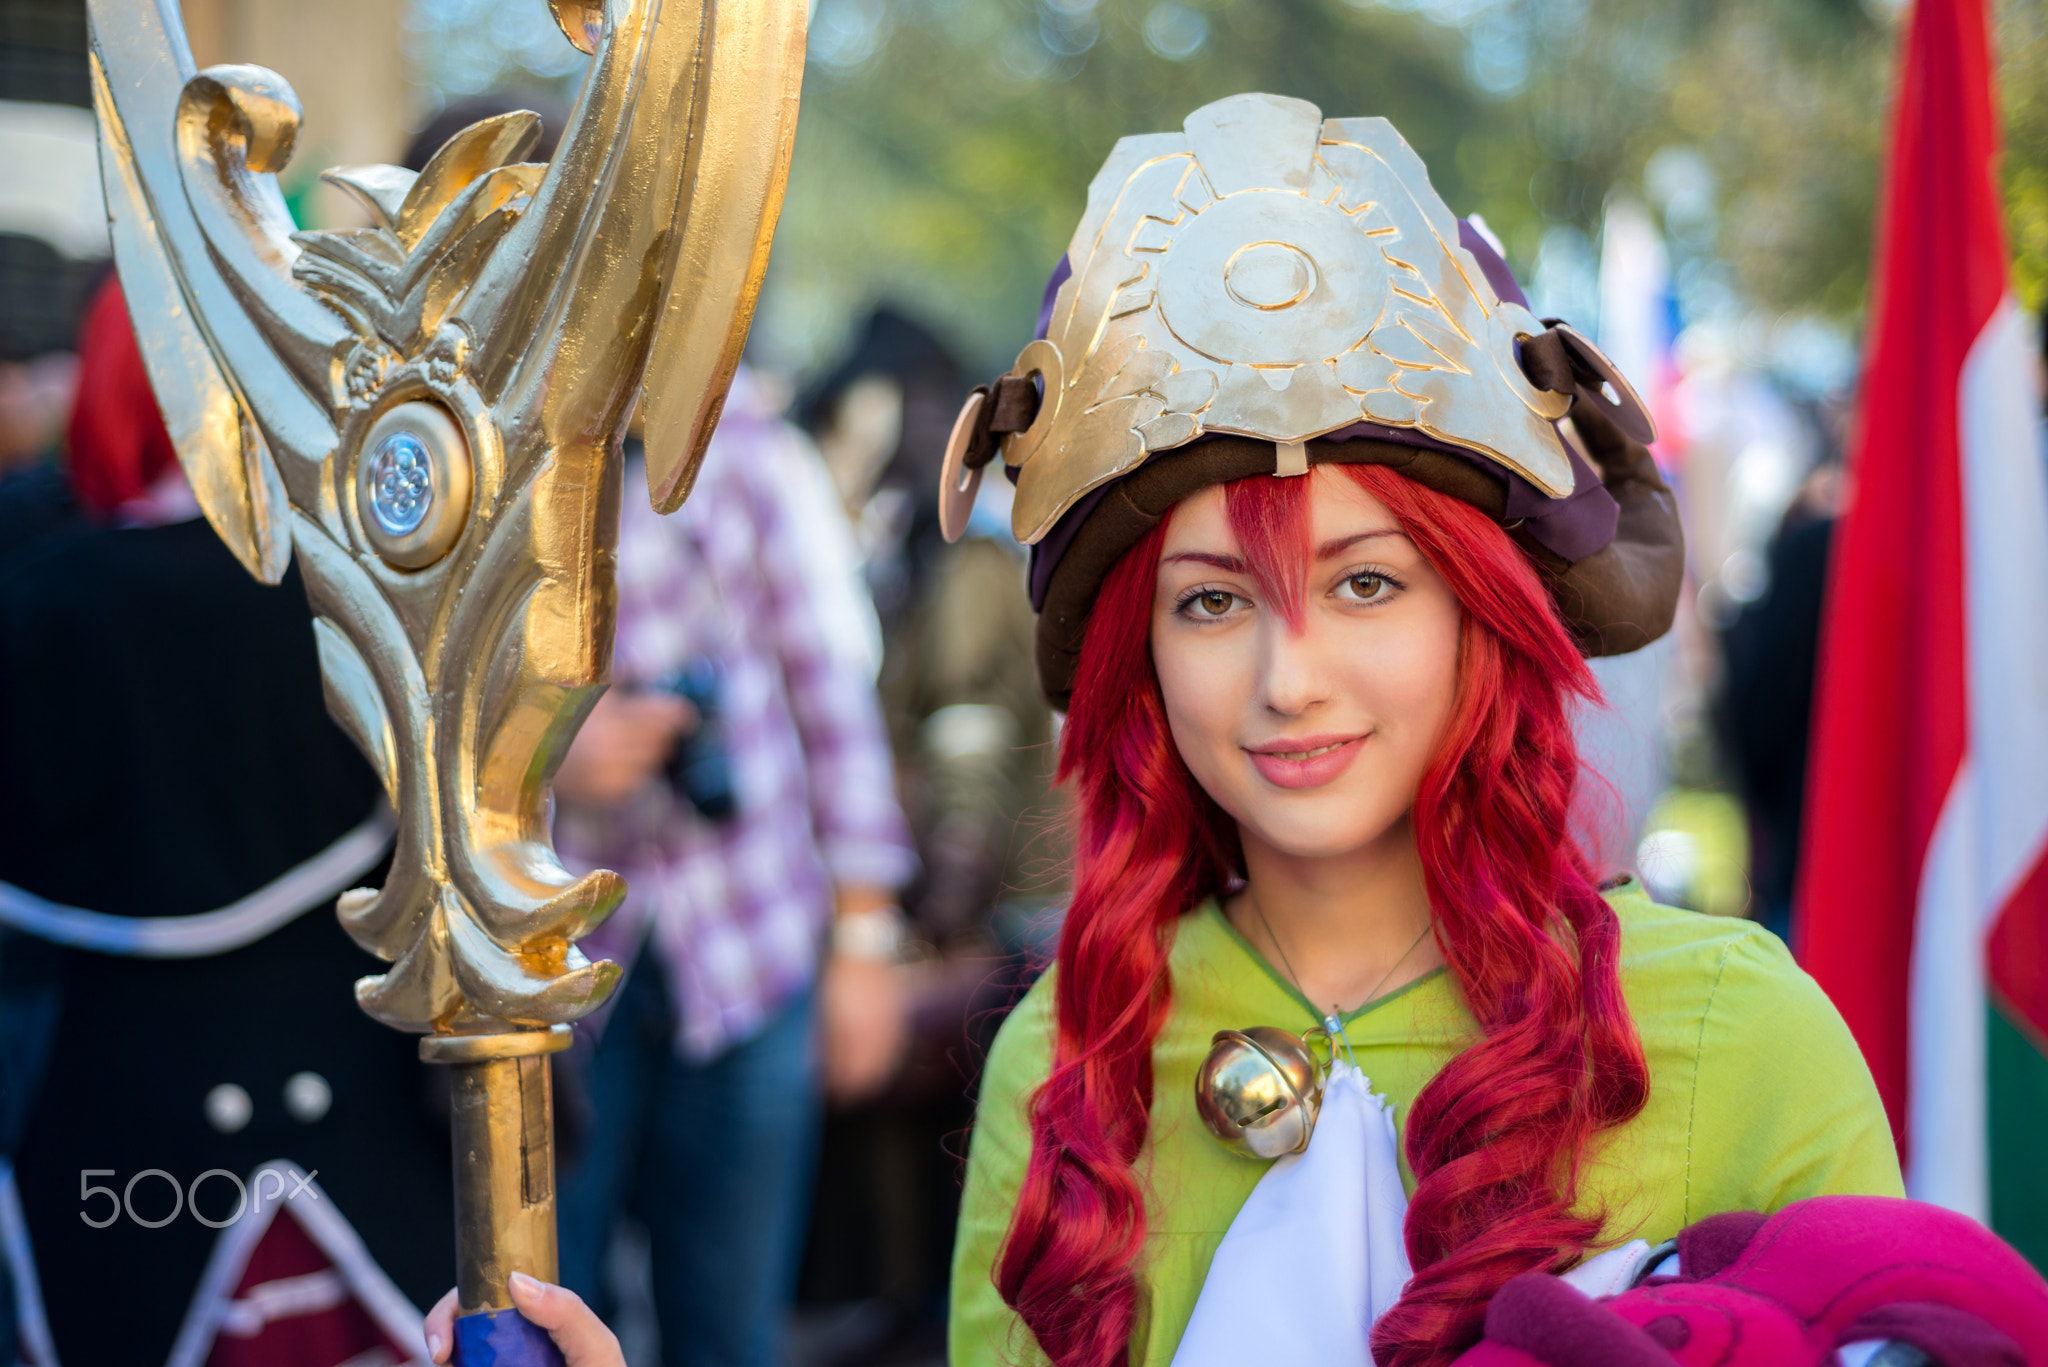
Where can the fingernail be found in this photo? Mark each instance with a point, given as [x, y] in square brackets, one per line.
[532, 1286]
[434, 1346]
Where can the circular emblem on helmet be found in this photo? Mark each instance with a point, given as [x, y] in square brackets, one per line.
[1269, 275]
[413, 484]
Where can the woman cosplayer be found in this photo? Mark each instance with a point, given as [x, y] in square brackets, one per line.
[1345, 1034]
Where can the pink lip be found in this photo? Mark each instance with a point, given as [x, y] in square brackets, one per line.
[1272, 759]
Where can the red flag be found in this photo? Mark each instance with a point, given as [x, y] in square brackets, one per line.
[1925, 826]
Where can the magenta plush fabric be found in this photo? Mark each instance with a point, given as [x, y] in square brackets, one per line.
[1789, 1290]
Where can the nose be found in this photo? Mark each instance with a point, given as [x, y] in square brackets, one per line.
[1294, 678]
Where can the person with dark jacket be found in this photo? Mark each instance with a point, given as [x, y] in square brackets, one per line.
[165, 751]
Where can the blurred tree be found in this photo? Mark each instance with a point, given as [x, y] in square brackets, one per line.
[946, 145]
[2023, 53]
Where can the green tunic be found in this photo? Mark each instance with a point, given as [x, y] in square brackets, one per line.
[1758, 1097]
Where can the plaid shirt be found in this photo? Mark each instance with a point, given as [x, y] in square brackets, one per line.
[757, 571]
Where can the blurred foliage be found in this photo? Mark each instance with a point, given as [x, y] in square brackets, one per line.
[2023, 54]
[946, 145]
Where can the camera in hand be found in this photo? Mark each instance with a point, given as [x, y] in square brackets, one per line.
[701, 769]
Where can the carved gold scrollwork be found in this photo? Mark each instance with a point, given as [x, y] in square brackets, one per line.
[1270, 273]
[427, 410]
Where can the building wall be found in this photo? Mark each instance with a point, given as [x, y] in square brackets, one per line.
[343, 59]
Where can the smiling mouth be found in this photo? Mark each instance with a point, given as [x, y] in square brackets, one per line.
[1299, 755]
[1307, 761]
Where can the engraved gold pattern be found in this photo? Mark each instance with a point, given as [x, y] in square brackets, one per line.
[1274, 274]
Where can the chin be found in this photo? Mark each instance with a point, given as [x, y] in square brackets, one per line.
[1326, 828]
[1298, 844]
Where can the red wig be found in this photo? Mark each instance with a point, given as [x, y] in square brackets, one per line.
[1496, 1140]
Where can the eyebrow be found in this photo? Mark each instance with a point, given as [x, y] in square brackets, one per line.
[1229, 564]
[1344, 543]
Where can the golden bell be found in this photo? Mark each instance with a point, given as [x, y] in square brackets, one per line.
[1259, 1091]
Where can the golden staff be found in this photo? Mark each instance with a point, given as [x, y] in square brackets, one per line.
[428, 410]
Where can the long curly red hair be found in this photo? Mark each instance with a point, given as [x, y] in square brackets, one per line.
[1497, 1139]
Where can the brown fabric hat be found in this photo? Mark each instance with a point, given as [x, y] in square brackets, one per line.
[1615, 600]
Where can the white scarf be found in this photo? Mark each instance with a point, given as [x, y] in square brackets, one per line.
[1315, 1255]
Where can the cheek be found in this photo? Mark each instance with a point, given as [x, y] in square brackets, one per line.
[1410, 685]
[1204, 680]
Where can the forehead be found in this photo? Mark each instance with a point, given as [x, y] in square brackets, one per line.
[1338, 507]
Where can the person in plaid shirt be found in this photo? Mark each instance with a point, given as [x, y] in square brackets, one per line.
[704, 1081]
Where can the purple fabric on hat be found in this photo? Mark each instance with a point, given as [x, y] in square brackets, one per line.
[1496, 270]
[1060, 273]
[1045, 555]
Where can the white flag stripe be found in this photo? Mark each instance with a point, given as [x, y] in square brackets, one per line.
[2005, 550]
[1994, 823]
[1947, 1145]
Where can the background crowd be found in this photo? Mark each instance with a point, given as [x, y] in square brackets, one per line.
[824, 766]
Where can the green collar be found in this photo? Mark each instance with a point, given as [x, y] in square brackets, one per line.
[1214, 908]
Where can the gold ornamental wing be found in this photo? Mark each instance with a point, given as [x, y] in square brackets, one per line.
[428, 412]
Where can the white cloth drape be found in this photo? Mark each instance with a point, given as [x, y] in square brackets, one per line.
[1315, 1254]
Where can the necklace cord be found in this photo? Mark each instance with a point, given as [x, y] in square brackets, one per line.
[1333, 1024]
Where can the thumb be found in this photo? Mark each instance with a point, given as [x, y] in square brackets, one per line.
[574, 1326]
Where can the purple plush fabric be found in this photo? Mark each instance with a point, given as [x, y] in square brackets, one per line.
[1788, 1290]
[1713, 1243]
[1052, 292]
[1552, 1323]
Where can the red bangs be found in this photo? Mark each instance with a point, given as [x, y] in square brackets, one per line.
[1269, 516]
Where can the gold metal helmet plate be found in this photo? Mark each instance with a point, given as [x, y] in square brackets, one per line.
[1270, 273]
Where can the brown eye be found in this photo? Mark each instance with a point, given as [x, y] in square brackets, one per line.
[1215, 602]
[1366, 586]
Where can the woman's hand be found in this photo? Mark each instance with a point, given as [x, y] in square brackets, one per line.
[574, 1326]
